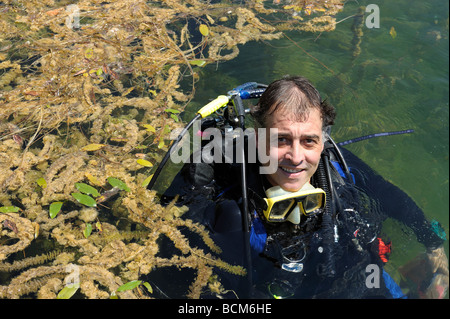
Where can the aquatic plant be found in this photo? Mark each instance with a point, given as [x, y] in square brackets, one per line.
[357, 29]
[89, 95]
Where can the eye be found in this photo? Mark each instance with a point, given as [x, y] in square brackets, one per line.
[310, 142]
[282, 140]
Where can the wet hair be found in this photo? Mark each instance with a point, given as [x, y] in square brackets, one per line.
[295, 96]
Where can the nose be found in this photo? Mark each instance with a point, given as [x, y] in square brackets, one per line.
[295, 154]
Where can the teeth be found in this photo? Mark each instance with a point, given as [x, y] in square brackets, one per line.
[290, 170]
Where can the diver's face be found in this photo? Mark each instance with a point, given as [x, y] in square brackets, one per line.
[297, 150]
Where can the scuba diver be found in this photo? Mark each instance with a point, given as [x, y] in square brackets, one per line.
[304, 216]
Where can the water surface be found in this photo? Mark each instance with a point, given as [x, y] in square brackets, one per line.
[398, 81]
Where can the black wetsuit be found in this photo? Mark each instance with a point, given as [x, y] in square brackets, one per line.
[336, 251]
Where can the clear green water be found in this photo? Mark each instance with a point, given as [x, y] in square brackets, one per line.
[395, 83]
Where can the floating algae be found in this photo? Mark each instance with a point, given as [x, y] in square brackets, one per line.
[80, 87]
[357, 29]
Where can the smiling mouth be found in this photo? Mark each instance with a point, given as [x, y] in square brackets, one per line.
[291, 171]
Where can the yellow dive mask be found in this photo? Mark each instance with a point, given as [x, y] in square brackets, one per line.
[288, 206]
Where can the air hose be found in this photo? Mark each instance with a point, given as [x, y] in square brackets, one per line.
[324, 181]
[205, 111]
[366, 137]
[239, 107]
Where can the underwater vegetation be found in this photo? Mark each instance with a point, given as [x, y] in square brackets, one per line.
[89, 93]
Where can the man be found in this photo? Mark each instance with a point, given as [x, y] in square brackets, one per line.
[315, 226]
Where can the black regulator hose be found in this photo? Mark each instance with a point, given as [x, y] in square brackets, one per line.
[205, 111]
[342, 160]
[324, 180]
[240, 111]
[169, 152]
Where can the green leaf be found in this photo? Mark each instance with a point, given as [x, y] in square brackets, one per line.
[41, 182]
[161, 144]
[393, 33]
[149, 128]
[197, 62]
[129, 285]
[88, 230]
[144, 162]
[68, 291]
[55, 208]
[92, 147]
[148, 286]
[9, 209]
[172, 111]
[85, 199]
[204, 30]
[87, 189]
[115, 182]
[175, 118]
[147, 181]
